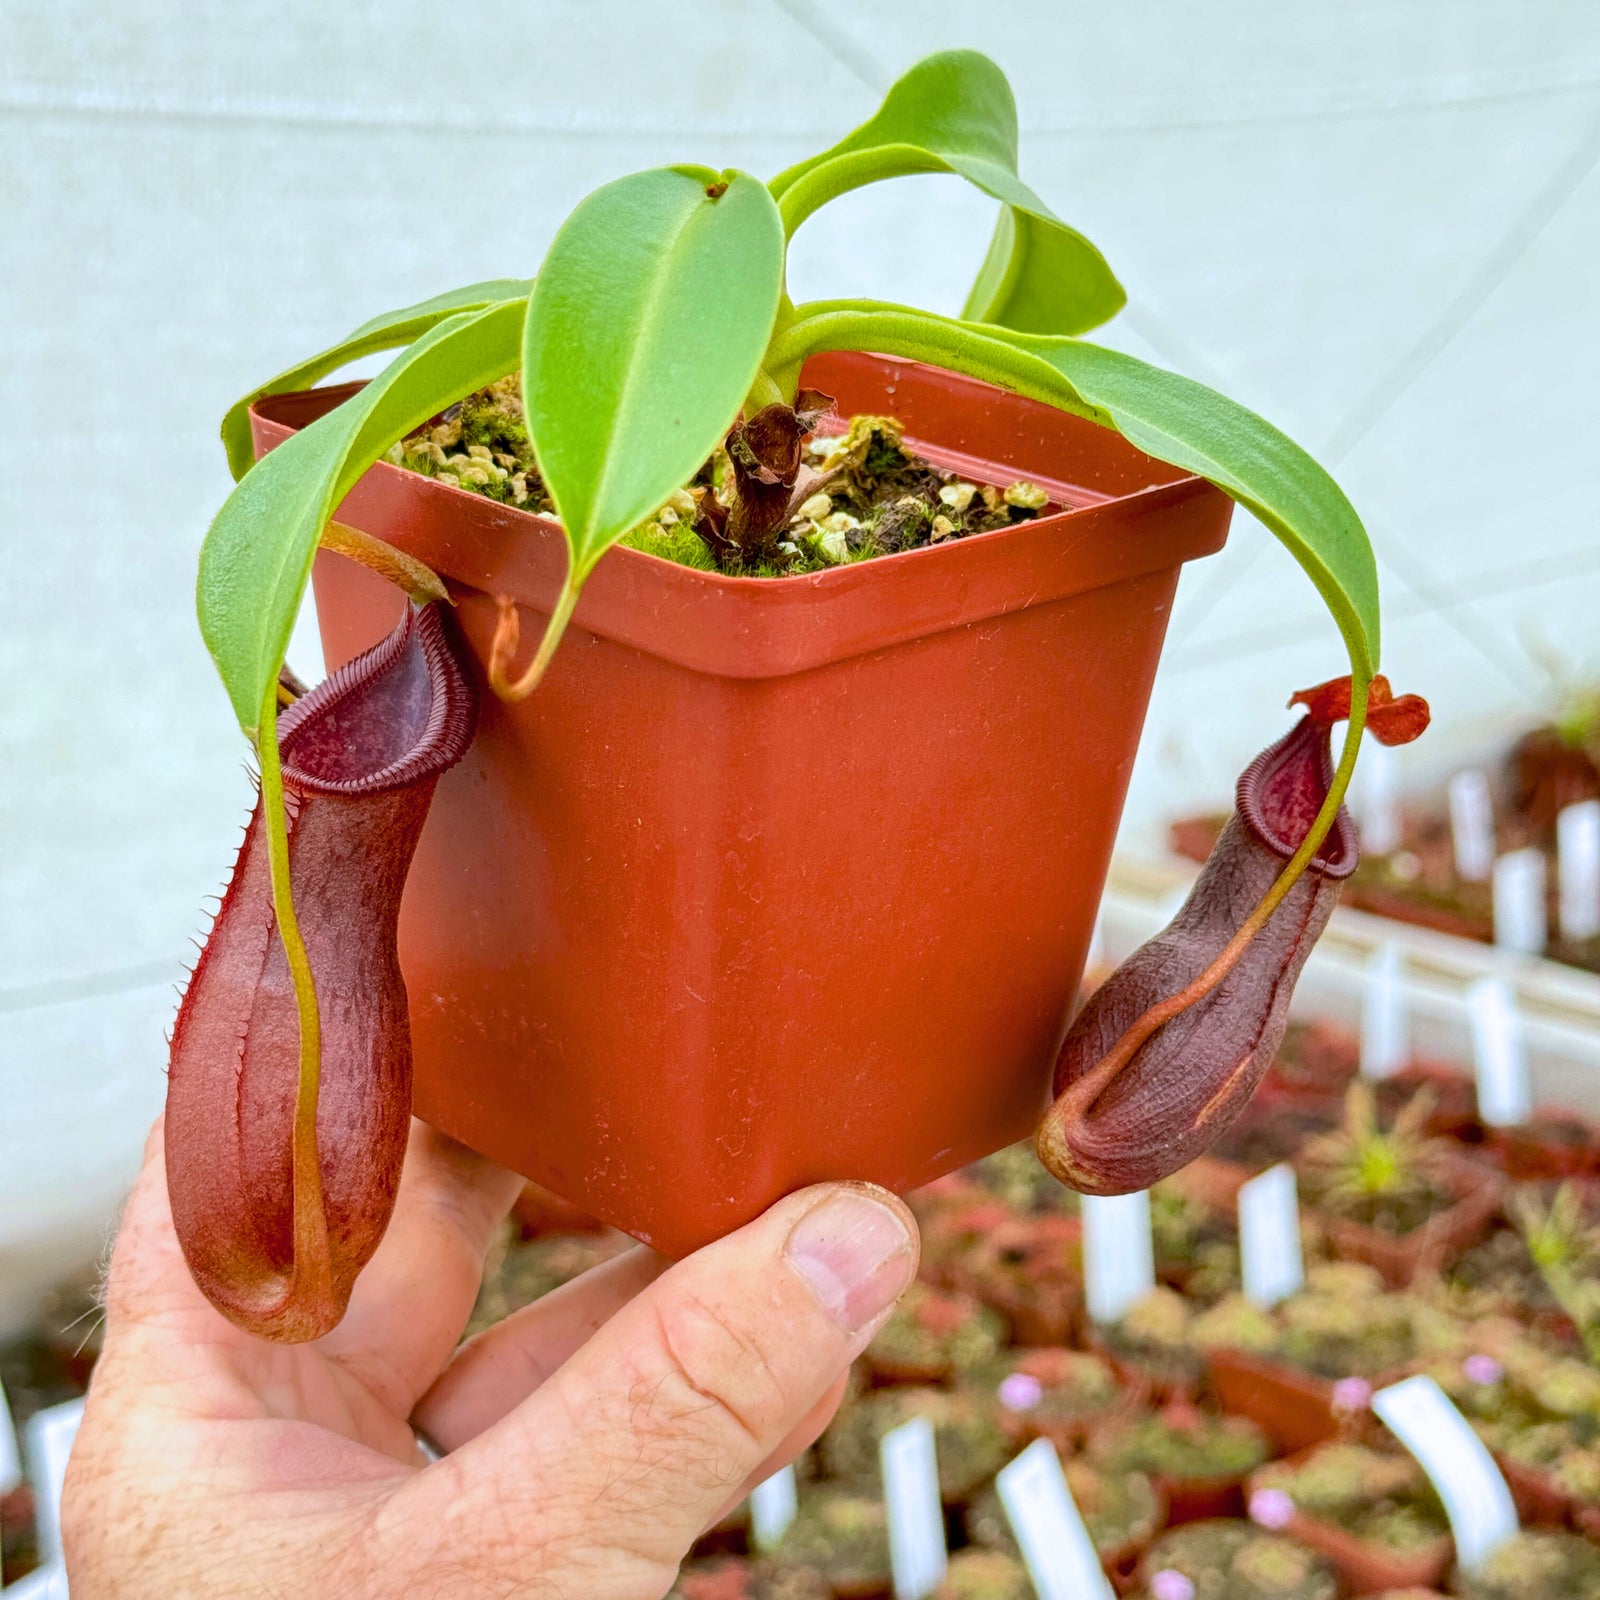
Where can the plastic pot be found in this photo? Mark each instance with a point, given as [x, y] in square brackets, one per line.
[1367, 1568]
[1402, 1258]
[777, 880]
[1294, 1409]
[1553, 1144]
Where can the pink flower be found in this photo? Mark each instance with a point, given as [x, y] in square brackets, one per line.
[1482, 1369]
[1020, 1391]
[1352, 1394]
[1170, 1584]
[1271, 1508]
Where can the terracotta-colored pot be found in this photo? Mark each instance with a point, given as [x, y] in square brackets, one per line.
[1294, 1409]
[777, 880]
[1555, 1144]
[1067, 1434]
[1030, 1269]
[1163, 1377]
[1367, 1568]
[1201, 1499]
[1539, 1497]
[1401, 1258]
[1455, 1108]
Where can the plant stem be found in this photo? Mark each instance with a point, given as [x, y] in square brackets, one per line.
[312, 1265]
[764, 392]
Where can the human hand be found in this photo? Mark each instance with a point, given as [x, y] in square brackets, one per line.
[591, 1436]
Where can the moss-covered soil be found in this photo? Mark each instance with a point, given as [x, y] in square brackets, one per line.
[870, 495]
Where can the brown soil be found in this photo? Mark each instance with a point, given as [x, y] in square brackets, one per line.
[881, 498]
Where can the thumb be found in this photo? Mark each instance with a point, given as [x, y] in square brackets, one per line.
[616, 1463]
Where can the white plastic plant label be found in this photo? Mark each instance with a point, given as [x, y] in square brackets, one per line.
[1376, 804]
[1519, 914]
[1385, 1032]
[773, 1505]
[43, 1583]
[10, 1450]
[1056, 1547]
[1476, 1500]
[1499, 1055]
[1578, 858]
[49, 1442]
[1119, 1265]
[916, 1515]
[1472, 826]
[1270, 1258]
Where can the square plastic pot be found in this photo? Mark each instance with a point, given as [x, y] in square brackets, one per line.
[777, 880]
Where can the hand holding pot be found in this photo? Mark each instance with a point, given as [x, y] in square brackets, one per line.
[591, 1436]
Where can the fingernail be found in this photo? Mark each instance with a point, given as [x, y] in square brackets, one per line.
[855, 1253]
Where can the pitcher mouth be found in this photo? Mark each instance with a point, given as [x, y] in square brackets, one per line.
[1280, 792]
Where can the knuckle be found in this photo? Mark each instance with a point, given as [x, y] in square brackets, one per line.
[720, 1379]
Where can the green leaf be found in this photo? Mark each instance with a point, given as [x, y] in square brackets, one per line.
[1172, 418]
[954, 112]
[646, 329]
[1041, 277]
[1178, 420]
[257, 554]
[388, 332]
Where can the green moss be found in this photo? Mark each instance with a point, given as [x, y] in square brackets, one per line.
[843, 1536]
[880, 498]
[678, 543]
[1183, 1446]
[936, 1336]
[971, 1447]
[1539, 1565]
[1380, 1496]
[985, 1575]
[1227, 1560]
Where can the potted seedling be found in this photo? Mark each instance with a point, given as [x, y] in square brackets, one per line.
[1306, 1371]
[1395, 1196]
[1371, 1512]
[1197, 1460]
[730, 1578]
[985, 1575]
[971, 1446]
[1233, 1560]
[1054, 1393]
[1150, 1344]
[843, 1537]
[1030, 1269]
[934, 1336]
[785, 865]
[1564, 1246]
[1538, 1564]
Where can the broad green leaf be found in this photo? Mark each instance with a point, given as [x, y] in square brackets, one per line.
[1178, 420]
[646, 329]
[388, 332]
[257, 554]
[1172, 418]
[954, 112]
[1041, 277]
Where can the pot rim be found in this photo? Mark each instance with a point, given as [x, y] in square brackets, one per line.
[745, 627]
